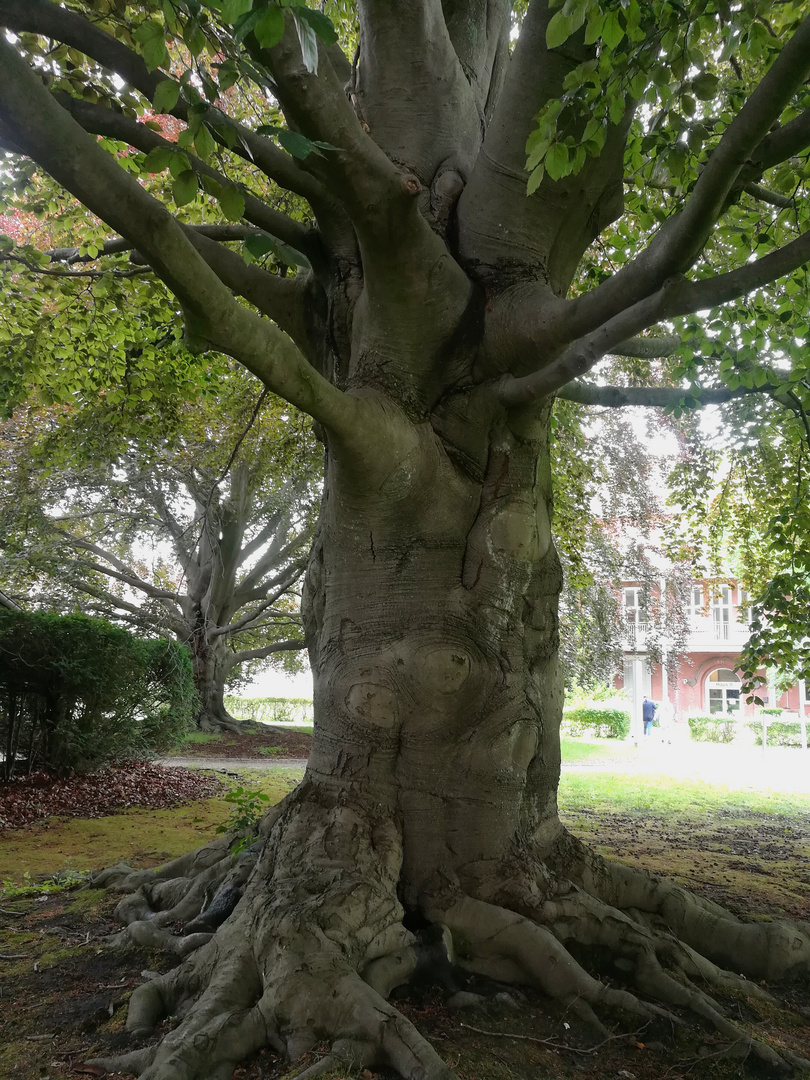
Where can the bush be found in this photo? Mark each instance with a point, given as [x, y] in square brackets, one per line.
[714, 729]
[274, 710]
[76, 692]
[780, 732]
[597, 723]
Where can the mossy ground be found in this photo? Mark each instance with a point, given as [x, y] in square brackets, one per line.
[63, 992]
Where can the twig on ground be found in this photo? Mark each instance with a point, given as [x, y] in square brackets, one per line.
[550, 1042]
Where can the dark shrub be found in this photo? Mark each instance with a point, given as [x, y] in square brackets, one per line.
[77, 692]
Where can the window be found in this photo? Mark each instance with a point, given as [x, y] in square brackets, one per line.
[745, 612]
[723, 691]
[721, 612]
[696, 602]
[634, 614]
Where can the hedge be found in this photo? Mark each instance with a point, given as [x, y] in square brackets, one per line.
[596, 723]
[714, 729]
[780, 732]
[77, 692]
[276, 710]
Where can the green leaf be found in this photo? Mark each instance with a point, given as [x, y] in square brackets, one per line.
[616, 109]
[179, 163]
[593, 31]
[184, 188]
[297, 145]
[557, 161]
[320, 23]
[233, 9]
[558, 30]
[308, 40]
[536, 179]
[210, 185]
[270, 28]
[155, 54]
[232, 203]
[704, 86]
[158, 159]
[257, 246]
[204, 143]
[612, 31]
[245, 23]
[148, 31]
[166, 95]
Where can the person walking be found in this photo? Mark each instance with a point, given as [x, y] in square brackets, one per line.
[648, 714]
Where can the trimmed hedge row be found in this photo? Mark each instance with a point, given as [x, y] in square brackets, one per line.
[780, 733]
[275, 710]
[77, 692]
[714, 729]
[596, 723]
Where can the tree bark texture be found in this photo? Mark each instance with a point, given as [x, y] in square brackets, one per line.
[427, 342]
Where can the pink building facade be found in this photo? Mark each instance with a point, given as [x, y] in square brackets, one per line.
[704, 678]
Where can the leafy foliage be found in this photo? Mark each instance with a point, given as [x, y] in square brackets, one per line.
[272, 710]
[247, 806]
[779, 733]
[78, 692]
[713, 729]
[600, 723]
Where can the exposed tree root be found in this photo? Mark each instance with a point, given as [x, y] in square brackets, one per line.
[300, 939]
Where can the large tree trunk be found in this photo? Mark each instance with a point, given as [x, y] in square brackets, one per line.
[429, 799]
[210, 671]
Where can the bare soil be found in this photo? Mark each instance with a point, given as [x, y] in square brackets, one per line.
[63, 992]
[283, 742]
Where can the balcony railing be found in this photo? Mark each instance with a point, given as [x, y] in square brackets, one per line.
[704, 633]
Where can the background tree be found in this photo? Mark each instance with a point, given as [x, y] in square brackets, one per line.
[750, 515]
[437, 312]
[204, 536]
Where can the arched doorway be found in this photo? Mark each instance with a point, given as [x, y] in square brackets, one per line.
[723, 691]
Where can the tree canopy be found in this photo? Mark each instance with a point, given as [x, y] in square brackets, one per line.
[203, 534]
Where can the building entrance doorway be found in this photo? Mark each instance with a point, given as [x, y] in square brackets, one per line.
[723, 691]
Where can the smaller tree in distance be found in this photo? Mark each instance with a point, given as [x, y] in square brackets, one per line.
[203, 534]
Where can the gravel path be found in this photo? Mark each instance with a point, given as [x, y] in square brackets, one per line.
[778, 769]
[232, 765]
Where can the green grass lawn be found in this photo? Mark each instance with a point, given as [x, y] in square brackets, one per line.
[664, 796]
[592, 751]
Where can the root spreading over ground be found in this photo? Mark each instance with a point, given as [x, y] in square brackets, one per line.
[299, 939]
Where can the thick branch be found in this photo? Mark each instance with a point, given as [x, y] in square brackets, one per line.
[648, 348]
[617, 397]
[117, 569]
[773, 198]
[282, 299]
[52, 20]
[100, 121]
[678, 296]
[783, 142]
[234, 659]
[217, 320]
[681, 239]
[547, 232]
[411, 88]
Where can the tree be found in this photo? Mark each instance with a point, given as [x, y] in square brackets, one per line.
[438, 310]
[752, 516]
[204, 536]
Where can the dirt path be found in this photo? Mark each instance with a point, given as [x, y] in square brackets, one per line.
[778, 769]
[232, 765]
